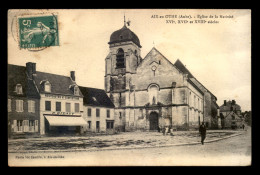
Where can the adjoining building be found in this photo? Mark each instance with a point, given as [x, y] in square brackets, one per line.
[23, 103]
[230, 115]
[98, 111]
[152, 92]
[61, 102]
[43, 103]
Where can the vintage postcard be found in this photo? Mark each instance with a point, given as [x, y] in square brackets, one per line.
[129, 87]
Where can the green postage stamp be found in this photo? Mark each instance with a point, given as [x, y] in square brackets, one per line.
[38, 31]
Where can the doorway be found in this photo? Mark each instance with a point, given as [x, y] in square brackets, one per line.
[154, 121]
[97, 126]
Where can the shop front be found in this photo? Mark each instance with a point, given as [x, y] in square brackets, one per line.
[64, 124]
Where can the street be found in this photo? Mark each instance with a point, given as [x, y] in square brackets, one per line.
[227, 152]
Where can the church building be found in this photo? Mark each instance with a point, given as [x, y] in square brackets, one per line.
[150, 92]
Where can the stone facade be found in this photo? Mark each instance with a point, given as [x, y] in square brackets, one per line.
[151, 92]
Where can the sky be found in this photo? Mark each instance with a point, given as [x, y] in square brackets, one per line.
[218, 54]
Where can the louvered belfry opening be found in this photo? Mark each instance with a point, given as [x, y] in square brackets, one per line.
[120, 59]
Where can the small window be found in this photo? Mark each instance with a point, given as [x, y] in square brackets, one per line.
[121, 37]
[94, 98]
[108, 113]
[68, 108]
[97, 112]
[76, 107]
[89, 112]
[58, 106]
[47, 105]
[9, 105]
[120, 59]
[31, 106]
[19, 89]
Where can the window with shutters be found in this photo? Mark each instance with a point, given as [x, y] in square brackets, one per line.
[31, 106]
[76, 107]
[68, 107]
[9, 105]
[19, 105]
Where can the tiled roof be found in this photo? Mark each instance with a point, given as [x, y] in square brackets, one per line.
[95, 97]
[17, 75]
[59, 84]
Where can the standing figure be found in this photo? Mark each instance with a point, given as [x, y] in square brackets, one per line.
[202, 131]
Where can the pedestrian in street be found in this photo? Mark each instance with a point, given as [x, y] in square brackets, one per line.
[243, 126]
[159, 129]
[202, 131]
[163, 130]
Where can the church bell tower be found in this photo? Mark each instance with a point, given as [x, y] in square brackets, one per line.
[121, 62]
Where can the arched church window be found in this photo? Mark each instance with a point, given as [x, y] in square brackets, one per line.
[120, 59]
[153, 94]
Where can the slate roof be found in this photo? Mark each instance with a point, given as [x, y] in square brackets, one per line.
[126, 34]
[90, 94]
[17, 75]
[59, 84]
[183, 69]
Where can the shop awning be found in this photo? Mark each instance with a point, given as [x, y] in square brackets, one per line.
[65, 120]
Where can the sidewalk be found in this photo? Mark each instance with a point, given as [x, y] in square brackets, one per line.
[126, 140]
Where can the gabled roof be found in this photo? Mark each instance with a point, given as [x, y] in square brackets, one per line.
[59, 84]
[95, 97]
[17, 75]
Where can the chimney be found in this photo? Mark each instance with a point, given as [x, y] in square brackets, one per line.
[30, 69]
[72, 75]
[225, 102]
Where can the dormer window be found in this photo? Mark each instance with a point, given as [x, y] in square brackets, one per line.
[19, 89]
[94, 98]
[76, 90]
[47, 86]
